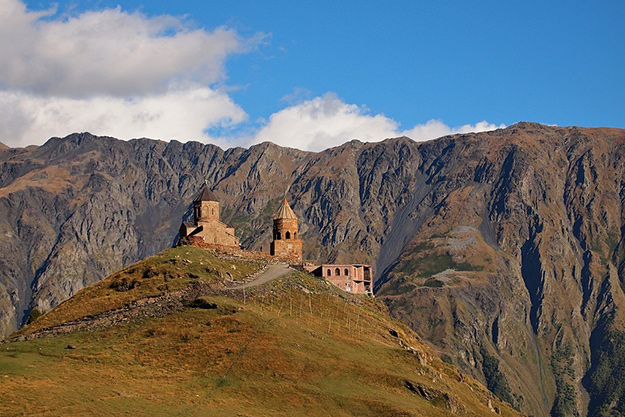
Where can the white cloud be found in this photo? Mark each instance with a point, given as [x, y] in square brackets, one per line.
[436, 128]
[327, 121]
[324, 122]
[113, 73]
[109, 52]
[178, 114]
[128, 75]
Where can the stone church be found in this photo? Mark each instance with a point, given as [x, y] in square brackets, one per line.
[209, 232]
[206, 224]
[286, 243]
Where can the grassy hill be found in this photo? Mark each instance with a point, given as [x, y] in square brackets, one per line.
[167, 337]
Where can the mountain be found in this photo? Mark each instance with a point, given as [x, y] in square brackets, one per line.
[3, 146]
[503, 250]
[516, 253]
[166, 336]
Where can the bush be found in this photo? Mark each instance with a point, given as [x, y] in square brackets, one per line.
[495, 380]
[565, 403]
[447, 359]
[606, 379]
[124, 285]
[34, 314]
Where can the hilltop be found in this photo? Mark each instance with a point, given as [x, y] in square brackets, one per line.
[293, 346]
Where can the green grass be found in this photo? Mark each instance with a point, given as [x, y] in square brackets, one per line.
[425, 260]
[429, 265]
[433, 283]
[432, 265]
[170, 270]
[295, 346]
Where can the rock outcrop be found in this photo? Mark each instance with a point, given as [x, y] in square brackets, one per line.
[503, 249]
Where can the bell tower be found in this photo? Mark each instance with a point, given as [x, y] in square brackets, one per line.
[286, 242]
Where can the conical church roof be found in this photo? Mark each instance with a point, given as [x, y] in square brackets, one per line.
[285, 211]
[205, 195]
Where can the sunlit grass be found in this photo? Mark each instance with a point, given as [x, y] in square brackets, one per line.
[295, 346]
[170, 270]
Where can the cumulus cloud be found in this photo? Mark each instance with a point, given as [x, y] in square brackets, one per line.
[108, 52]
[177, 114]
[112, 73]
[436, 128]
[327, 121]
[121, 74]
[324, 122]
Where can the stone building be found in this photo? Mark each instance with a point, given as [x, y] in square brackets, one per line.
[355, 278]
[206, 224]
[286, 243]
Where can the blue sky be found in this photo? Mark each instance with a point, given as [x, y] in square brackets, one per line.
[313, 74]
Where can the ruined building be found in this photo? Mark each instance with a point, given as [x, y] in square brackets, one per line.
[206, 224]
[286, 243]
[354, 278]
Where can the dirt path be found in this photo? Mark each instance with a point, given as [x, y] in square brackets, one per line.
[272, 272]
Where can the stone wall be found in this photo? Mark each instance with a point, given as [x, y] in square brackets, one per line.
[218, 233]
[291, 248]
[237, 252]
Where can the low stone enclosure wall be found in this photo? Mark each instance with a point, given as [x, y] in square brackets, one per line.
[237, 253]
[158, 306]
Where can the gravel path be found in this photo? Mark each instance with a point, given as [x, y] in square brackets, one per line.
[272, 272]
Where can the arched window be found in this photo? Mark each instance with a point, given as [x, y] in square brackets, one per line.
[294, 235]
[278, 237]
[329, 272]
[288, 235]
[346, 271]
[213, 212]
[337, 271]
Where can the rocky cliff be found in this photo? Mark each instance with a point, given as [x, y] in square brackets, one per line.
[502, 249]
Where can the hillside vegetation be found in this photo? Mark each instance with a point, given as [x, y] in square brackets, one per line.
[293, 346]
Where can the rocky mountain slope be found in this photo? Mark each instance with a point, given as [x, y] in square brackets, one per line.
[503, 249]
[167, 336]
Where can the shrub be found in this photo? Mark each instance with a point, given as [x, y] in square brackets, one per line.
[495, 379]
[34, 314]
[124, 284]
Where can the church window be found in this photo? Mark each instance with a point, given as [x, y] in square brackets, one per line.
[294, 235]
[337, 271]
[346, 271]
[278, 236]
[213, 212]
[288, 235]
[329, 272]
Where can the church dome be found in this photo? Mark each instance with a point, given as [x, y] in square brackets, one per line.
[205, 195]
[285, 211]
